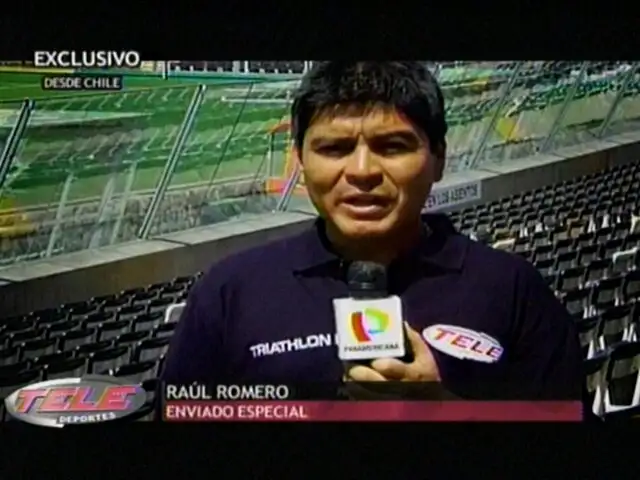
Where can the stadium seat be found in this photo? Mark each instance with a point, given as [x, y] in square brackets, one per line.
[615, 326]
[173, 312]
[570, 278]
[104, 360]
[136, 308]
[69, 368]
[164, 330]
[622, 380]
[79, 338]
[595, 371]
[36, 348]
[9, 355]
[147, 321]
[160, 304]
[130, 339]
[624, 260]
[631, 286]
[136, 372]
[588, 331]
[52, 358]
[151, 349]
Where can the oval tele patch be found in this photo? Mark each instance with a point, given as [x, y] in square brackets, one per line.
[463, 343]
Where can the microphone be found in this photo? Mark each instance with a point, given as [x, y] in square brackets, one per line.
[370, 324]
[367, 280]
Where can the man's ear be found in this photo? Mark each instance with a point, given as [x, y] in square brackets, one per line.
[440, 155]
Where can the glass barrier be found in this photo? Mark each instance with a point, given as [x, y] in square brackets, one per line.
[596, 91]
[13, 221]
[229, 153]
[625, 115]
[474, 96]
[85, 167]
[91, 170]
[522, 115]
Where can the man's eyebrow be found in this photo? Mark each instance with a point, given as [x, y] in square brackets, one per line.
[338, 136]
[406, 135]
[327, 137]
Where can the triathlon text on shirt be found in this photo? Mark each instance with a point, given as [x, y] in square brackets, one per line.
[292, 345]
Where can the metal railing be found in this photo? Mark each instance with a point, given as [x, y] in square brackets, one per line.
[87, 170]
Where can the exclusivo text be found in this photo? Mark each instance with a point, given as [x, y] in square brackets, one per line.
[86, 59]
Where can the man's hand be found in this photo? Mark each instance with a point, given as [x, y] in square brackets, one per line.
[422, 369]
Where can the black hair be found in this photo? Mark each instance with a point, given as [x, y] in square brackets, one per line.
[409, 87]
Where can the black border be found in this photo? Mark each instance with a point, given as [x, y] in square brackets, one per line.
[306, 450]
[303, 30]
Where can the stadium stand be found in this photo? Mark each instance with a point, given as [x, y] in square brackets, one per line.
[583, 235]
[85, 169]
[74, 185]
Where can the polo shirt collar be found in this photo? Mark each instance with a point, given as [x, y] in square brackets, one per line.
[443, 247]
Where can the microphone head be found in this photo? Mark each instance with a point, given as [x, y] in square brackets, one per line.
[367, 278]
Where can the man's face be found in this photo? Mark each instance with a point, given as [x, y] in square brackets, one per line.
[368, 174]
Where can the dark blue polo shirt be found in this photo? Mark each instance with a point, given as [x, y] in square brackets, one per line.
[266, 315]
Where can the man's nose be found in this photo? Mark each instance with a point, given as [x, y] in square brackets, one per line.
[363, 169]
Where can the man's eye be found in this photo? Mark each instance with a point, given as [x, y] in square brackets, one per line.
[334, 150]
[393, 148]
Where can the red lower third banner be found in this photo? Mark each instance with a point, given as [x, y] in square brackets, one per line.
[291, 411]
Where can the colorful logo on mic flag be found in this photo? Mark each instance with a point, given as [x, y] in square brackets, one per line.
[367, 323]
[369, 328]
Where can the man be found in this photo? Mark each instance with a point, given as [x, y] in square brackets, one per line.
[370, 138]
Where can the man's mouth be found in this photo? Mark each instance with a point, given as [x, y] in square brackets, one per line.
[366, 204]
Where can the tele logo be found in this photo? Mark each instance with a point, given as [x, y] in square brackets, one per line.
[463, 343]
